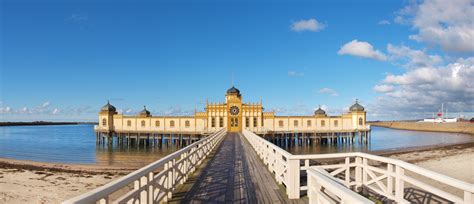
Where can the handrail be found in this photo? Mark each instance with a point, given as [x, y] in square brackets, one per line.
[104, 191]
[287, 168]
[319, 178]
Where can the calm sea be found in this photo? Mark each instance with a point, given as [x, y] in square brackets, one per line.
[76, 144]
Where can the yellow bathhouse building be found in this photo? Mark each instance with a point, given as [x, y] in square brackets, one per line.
[233, 115]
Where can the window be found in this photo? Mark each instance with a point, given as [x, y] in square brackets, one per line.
[187, 123]
[157, 123]
[129, 123]
[336, 123]
[323, 123]
[247, 122]
[361, 121]
[295, 123]
[104, 122]
[280, 123]
[255, 123]
[221, 122]
[213, 122]
[308, 123]
[172, 123]
[143, 123]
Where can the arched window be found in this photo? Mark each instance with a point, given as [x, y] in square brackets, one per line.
[213, 122]
[187, 123]
[172, 123]
[255, 123]
[295, 123]
[308, 123]
[221, 122]
[280, 123]
[336, 123]
[247, 122]
[129, 123]
[104, 122]
[361, 121]
[157, 123]
[323, 123]
[143, 123]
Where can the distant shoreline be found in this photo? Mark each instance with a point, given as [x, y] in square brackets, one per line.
[458, 127]
[35, 123]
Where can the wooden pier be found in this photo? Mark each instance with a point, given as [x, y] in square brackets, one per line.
[234, 174]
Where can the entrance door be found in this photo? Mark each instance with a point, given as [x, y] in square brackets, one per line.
[234, 125]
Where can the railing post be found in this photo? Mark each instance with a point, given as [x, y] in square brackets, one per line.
[390, 179]
[399, 184]
[347, 176]
[358, 173]
[468, 197]
[293, 180]
[364, 171]
[151, 187]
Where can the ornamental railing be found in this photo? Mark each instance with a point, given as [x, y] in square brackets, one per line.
[155, 182]
[323, 188]
[391, 178]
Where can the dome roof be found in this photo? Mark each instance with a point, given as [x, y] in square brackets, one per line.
[357, 107]
[108, 108]
[319, 111]
[144, 112]
[233, 90]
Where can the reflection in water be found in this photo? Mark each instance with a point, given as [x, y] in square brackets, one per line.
[77, 144]
[133, 155]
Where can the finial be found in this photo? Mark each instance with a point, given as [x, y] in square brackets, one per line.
[144, 107]
[357, 100]
[108, 101]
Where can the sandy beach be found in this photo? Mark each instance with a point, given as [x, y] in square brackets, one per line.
[36, 182]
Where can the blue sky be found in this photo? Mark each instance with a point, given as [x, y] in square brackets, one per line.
[62, 60]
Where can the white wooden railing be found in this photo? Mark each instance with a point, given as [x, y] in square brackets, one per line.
[324, 189]
[155, 182]
[384, 176]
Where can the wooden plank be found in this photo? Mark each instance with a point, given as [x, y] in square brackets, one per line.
[234, 174]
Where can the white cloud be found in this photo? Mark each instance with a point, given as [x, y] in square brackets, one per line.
[295, 74]
[56, 111]
[361, 49]
[45, 104]
[412, 58]
[383, 88]
[307, 25]
[448, 24]
[329, 91]
[25, 110]
[5, 110]
[420, 91]
[384, 22]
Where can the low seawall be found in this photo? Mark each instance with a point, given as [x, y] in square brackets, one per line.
[459, 127]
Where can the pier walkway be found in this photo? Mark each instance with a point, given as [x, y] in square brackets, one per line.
[234, 174]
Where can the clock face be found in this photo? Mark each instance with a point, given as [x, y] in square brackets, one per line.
[234, 110]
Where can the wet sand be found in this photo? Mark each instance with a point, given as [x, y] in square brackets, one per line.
[459, 127]
[37, 182]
